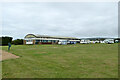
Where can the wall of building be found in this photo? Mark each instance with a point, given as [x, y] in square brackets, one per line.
[24, 41]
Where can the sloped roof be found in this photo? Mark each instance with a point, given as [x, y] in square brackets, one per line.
[46, 36]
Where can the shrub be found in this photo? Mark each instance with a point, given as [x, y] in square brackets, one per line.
[17, 42]
[5, 40]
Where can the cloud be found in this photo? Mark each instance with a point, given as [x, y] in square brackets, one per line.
[82, 19]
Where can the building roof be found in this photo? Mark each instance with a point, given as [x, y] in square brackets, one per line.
[46, 36]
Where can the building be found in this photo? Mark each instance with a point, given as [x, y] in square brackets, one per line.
[44, 39]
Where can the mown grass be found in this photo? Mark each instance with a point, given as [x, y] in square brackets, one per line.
[62, 61]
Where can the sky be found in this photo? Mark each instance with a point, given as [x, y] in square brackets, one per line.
[69, 19]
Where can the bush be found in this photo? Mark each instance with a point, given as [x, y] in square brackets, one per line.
[17, 42]
[5, 40]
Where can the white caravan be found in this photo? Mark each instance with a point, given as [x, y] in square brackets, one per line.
[62, 42]
[84, 41]
[109, 41]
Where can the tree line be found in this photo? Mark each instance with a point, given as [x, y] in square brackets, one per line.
[5, 40]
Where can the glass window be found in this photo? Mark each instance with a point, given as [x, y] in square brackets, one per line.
[49, 40]
[40, 40]
[45, 40]
[28, 40]
[37, 40]
[53, 40]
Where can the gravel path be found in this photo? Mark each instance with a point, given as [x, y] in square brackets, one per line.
[6, 55]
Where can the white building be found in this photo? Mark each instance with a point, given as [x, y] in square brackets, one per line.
[44, 39]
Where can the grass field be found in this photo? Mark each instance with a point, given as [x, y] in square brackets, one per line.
[62, 61]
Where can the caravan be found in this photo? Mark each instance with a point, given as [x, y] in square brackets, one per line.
[84, 41]
[62, 42]
[73, 41]
[109, 41]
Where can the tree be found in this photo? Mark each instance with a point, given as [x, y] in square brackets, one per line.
[17, 42]
[5, 40]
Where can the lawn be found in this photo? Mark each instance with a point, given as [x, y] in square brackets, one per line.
[62, 61]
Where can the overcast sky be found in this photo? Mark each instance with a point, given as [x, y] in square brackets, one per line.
[72, 19]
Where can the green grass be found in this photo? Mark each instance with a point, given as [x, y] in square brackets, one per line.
[62, 61]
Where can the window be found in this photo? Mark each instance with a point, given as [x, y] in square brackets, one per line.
[28, 40]
[54, 41]
[37, 40]
[45, 40]
[40, 40]
[49, 40]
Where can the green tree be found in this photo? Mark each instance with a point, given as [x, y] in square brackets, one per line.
[17, 42]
